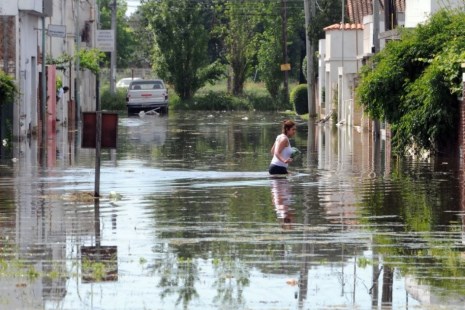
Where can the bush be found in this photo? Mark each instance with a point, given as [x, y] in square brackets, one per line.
[112, 102]
[299, 99]
[217, 101]
[8, 90]
[222, 101]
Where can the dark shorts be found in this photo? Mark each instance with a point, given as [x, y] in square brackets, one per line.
[277, 169]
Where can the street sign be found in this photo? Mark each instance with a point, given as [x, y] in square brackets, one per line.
[109, 128]
[105, 40]
[56, 31]
[285, 67]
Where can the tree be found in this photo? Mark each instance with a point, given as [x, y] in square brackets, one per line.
[327, 12]
[125, 37]
[270, 43]
[413, 83]
[238, 31]
[143, 40]
[181, 45]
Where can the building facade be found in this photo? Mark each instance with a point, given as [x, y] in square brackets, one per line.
[345, 48]
[54, 28]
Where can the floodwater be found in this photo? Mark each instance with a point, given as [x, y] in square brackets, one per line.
[189, 219]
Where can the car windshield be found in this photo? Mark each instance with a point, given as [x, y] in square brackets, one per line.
[147, 85]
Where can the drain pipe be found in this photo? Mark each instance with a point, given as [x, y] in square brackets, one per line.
[43, 105]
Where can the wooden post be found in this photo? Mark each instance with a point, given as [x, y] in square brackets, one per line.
[98, 136]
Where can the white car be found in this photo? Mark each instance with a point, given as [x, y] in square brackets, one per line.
[124, 83]
[147, 95]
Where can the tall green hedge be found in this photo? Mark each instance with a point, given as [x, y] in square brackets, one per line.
[299, 99]
[414, 84]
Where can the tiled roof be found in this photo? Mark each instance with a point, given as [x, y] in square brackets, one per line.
[346, 26]
[356, 9]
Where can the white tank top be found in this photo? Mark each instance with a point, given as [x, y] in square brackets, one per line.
[285, 153]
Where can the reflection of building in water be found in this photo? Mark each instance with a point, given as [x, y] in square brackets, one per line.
[40, 227]
[38, 236]
[346, 154]
[282, 201]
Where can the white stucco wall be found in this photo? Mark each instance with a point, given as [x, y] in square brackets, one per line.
[342, 50]
[368, 32]
[321, 74]
[418, 11]
[8, 7]
[67, 13]
[27, 78]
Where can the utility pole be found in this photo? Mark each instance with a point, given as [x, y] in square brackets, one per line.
[284, 38]
[309, 7]
[376, 126]
[341, 116]
[113, 53]
[43, 87]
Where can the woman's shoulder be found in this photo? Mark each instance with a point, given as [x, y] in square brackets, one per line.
[282, 137]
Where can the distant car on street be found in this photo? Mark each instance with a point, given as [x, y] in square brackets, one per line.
[124, 83]
[147, 95]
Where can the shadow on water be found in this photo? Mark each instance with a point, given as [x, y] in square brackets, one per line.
[189, 218]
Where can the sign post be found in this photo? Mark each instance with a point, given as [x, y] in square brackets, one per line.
[99, 130]
[105, 40]
[56, 31]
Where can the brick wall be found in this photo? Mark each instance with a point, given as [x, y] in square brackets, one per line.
[8, 44]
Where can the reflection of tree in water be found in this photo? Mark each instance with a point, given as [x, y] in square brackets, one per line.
[424, 237]
[232, 276]
[178, 276]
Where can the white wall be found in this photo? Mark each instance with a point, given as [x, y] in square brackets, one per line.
[321, 73]
[66, 13]
[342, 50]
[8, 7]
[418, 11]
[27, 108]
[368, 32]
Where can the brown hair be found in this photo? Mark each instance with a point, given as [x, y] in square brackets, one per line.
[287, 125]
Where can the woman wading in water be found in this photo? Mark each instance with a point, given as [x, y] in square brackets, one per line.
[282, 149]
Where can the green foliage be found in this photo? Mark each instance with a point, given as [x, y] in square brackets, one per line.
[299, 99]
[214, 101]
[327, 13]
[112, 102]
[269, 60]
[63, 59]
[238, 33]
[414, 83]
[8, 89]
[222, 101]
[125, 36]
[90, 59]
[180, 55]
[58, 83]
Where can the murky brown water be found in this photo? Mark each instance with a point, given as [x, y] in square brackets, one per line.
[189, 218]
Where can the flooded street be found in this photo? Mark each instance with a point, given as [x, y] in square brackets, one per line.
[190, 219]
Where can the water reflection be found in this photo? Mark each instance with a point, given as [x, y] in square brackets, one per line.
[282, 201]
[192, 214]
